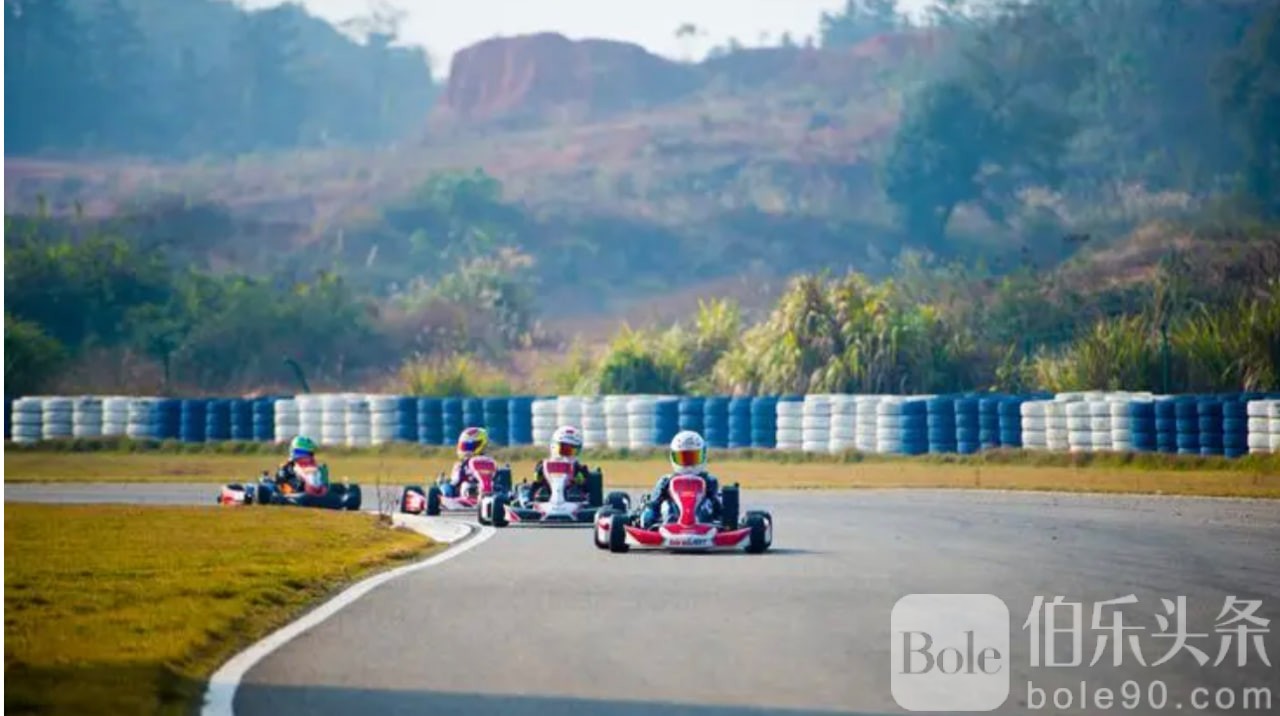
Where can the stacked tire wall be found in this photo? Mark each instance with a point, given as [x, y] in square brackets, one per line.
[1230, 425]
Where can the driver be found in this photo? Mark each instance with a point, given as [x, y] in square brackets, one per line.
[688, 457]
[302, 453]
[471, 442]
[566, 442]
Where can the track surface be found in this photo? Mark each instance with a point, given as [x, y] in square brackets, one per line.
[537, 621]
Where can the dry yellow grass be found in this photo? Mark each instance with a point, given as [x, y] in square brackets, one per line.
[633, 473]
[126, 610]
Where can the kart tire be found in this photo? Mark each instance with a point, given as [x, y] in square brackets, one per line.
[353, 498]
[618, 536]
[403, 495]
[760, 538]
[480, 510]
[595, 533]
[619, 501]
[433, 501]
[264, 495]
[498, 514]
[729, 501]
[595, 488]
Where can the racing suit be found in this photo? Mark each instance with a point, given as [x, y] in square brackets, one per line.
[459, 476]
[579, 480]
[287, 473]
[708, 510]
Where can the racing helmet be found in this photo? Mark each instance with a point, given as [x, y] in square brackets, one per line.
[566, 441]
[688, 452]
[472, 442]
[302, 447]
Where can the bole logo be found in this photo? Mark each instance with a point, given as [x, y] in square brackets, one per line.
[949, 652]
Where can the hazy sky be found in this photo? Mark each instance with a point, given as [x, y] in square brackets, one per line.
[445, 26]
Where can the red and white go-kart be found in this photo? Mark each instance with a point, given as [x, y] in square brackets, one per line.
[680, 528]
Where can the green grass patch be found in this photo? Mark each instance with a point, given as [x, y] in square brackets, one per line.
[1254, 476]
[127, 610]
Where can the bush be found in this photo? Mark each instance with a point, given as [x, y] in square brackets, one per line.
[31, 358]
[452, 376]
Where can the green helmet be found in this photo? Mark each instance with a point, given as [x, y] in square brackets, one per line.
[302, 445]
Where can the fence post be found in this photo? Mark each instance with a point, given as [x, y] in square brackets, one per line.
[1164, 356]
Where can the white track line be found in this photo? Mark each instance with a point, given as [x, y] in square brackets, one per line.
[221, 691]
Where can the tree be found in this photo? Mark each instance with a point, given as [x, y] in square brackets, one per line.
[31, 357]
[860, 20]
[995, 128]
[1250, 94]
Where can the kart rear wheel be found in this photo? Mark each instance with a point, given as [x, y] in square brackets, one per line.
[353, 497]
[595, 488]
[498, 514]
[619, 501]
[404, 495]
[433, 501]
[480, 511]
[729, 507]
[618, 535]
[761, 537]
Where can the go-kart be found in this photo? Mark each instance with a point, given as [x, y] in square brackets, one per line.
[560, 503]
[681, 526]
[484, 477]
[312, 489]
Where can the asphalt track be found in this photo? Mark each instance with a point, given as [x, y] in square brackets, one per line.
[537, 621]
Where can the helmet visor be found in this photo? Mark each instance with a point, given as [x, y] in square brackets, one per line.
[686, 458]
[297, 453]
[468, 445]
[567, 450]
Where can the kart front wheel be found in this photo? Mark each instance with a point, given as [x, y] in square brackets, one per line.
[761, 536]
[498, 513]
[433, 501]
[353, 497]
[619, 501]
[618, 535]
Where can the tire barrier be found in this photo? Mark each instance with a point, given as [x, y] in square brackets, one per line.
[815, 424]
[788, 416]
[641, 422]
[430, 421]
[1166, 425]
[520, 420]
[715, 421]
[1235, 427]
[27, 416]
[543, 420]
[1009, 417]
[193, 423]
[1263, 423]
[739, 423]
[1209, 423]
[689, 414]
[263, 411]
[285, 420]
[218, 421]
[764, 422]
[843, 432]
[616, 421]
[241, 419]
[594, 425]
[967, 433]
[496, 420]
[666, 421]
[86, 417]
[451, 423]
[384, 419]
[1231, 425]
[902, 425]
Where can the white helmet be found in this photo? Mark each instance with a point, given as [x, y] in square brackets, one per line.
[566, 441]
[688, 452]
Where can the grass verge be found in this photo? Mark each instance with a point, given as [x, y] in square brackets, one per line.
[1256, 476]
[127, 610]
